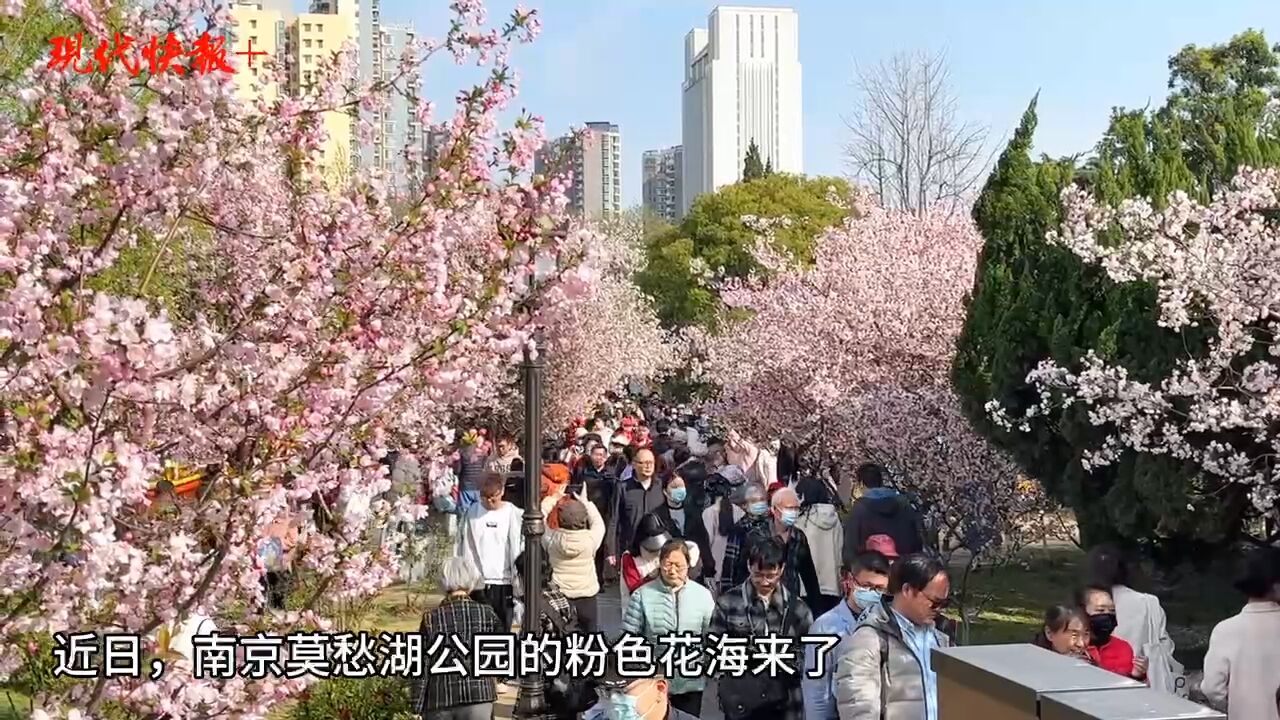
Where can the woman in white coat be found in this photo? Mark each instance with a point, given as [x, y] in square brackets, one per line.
[1242, 667]
[1140, 619]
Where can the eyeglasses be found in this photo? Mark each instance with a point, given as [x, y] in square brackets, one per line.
[674, 566]
[937, 603]
[768, 575]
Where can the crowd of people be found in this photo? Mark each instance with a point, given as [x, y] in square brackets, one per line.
[717, 536]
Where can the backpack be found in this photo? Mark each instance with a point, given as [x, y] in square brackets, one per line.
[566, 693]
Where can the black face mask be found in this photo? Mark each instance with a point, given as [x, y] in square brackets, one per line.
[1101, 626]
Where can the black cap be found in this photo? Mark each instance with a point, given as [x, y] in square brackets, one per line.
[613, 679]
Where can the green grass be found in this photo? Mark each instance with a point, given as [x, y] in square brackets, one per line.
[11, 700]
[1019, 595]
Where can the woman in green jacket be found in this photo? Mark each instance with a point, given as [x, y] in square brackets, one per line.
[671, 604]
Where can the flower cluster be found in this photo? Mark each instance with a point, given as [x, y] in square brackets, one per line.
[1214, 266]
[601, 340]
[310, 326]
[852, 356]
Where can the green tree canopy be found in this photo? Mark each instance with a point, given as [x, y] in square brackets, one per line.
[752, 167]
[1033, 301]
[713, 241]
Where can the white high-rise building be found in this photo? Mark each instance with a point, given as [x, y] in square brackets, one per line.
[741, 84]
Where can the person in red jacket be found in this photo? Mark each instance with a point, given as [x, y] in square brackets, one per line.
[1107, 651]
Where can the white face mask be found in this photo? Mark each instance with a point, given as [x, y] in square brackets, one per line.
[624, 706]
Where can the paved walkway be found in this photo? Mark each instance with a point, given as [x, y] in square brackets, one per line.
[610, 609]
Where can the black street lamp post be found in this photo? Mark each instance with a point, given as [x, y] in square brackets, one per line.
[532, 702]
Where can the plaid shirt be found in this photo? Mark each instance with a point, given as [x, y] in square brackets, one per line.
[740, 613]
[465, 618]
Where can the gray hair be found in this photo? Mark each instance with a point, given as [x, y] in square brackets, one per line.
[784, 493]
[459, 573]
[753, 491]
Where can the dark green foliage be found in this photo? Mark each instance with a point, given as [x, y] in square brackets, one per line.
[373, 698]
[752, 167]
[1033, 301]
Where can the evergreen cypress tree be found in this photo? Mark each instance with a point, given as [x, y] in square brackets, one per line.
[752, 167]
[1033, 301]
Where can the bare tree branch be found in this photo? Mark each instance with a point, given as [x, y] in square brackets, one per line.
[907, 142]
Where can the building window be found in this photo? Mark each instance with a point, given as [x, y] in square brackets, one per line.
[306, 43]
[319, 42]
[253, 24]
[306, 27]
[306, 58]
[253, 39]
[319, 27]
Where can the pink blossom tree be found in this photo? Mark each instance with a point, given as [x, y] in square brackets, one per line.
[851, 356]
[315, 323]
[602, 339]
[1214, 266]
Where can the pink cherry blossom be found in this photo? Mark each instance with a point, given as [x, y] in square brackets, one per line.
[315, 324]
[602, 335]
[852, 355]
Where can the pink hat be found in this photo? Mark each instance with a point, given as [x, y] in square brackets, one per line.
[884, 545]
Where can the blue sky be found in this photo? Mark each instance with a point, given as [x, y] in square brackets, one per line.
[621, 61]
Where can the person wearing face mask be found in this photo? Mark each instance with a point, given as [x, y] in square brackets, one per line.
[801, 575]
[632, 698]
[884, 669]
[672, 604]
[1065, 631]
[641, 563]
[1140, 619]
[636, 497]
[680, 520]
[759, 607]
[1105, 649]
[720, 518]
[864, 584]
[754, 523]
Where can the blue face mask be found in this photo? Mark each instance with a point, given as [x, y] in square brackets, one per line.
[678, 495]
[789, 517]
[758, 508]
[620, 706]
[866, 597]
